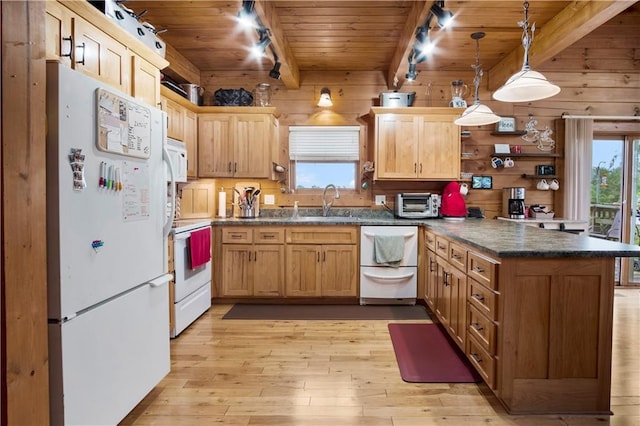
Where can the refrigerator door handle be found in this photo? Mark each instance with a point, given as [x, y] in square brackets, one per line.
[161, 280]
[169, 222]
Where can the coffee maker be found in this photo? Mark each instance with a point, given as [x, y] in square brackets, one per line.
[513, 203]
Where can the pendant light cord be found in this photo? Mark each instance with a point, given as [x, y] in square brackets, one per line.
[479, 73]
[527, 38]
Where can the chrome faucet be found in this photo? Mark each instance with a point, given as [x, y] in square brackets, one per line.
[326, 206]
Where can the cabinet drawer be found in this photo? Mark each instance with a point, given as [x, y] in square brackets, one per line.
[271, 235]
[458, 256]
[237, 235]
[482, 361]
[442, 247]
[483, 299]
[430, 240]
[482, 269]
[483, 329]
[322, 235]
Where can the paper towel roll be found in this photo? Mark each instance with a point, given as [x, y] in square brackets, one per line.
[222, 204]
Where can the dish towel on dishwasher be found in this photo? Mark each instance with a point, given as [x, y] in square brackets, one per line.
[200, 247]
[388, 249]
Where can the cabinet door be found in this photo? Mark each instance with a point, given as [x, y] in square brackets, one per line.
[235, 270]
[58, 27]
[458, 310]
[175, 119]
[305, 273]
[215, 152]
[339, 270]
[145, 84]
[191, 141]
[439, 155]
[443, 301]
[397, 139]
[252, 146]
[101, 57]
[431, 276]
[268, 270]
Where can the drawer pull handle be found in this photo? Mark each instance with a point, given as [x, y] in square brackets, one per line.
[456, 256]
[478, 269]
[478, 297]
[477, 326]
[267, 236]
[476, 357]
[236, 236]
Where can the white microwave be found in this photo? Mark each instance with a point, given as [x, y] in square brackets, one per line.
[178, 156]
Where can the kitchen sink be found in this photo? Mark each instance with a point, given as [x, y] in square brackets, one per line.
[329, 219]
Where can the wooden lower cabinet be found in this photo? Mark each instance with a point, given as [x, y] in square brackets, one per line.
[538, 330]
[322, 261]
[252, 261]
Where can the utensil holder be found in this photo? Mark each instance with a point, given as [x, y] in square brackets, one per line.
[247, 212]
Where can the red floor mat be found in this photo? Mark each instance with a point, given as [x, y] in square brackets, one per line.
[425, 355]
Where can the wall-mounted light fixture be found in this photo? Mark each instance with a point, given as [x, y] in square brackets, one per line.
[526, 85]
[477, 114]
[325, 98]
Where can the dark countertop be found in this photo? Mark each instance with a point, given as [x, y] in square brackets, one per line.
[495, 237]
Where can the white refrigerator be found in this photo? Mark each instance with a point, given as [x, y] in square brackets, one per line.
[106, 247]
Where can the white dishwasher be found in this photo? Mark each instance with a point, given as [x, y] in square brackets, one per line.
[384, 284]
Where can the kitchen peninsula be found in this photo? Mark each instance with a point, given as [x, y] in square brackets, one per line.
[533, 307]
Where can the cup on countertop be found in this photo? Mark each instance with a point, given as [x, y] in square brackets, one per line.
[543, 185]
[464, 189]
[554, 185]
[508, 162]
[496, 162]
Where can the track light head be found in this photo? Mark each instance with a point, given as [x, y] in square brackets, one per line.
[444, 17]
[275, 71]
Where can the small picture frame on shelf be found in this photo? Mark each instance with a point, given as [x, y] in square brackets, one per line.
[501, 148]
[506, 125]
[481, 182]
[487, 182]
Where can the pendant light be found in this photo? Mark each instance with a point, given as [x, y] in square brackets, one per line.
[325, 98]
[526, 85]
[477, 114]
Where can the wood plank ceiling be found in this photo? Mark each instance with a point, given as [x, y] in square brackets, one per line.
[372, 35]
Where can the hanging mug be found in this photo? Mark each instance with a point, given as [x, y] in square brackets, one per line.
[543, 185]
[496, 162]
[508, 162]
[464, 189]
[554, 185]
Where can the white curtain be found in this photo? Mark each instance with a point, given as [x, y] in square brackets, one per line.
[578, 141]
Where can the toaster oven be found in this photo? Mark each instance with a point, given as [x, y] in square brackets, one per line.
[417, 205]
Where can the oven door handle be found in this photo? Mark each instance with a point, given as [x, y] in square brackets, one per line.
[388, 278]
[371, 234]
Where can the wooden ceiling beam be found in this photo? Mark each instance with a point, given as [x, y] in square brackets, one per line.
[289, 71]
[570, 25]
[399, 63]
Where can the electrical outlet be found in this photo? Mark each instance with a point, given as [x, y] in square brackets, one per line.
[381, 200]
[269, 199]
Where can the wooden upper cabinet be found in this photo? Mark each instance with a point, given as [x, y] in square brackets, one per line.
[83, 38]
[235, 145]
[416, 144]
[191, 141]
[146, 81]
[101, 57]
[175, 119]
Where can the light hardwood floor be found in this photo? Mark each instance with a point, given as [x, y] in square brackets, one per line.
[341, 373]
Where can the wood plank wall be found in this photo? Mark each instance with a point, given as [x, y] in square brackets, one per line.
[598, 76]
[25, 371]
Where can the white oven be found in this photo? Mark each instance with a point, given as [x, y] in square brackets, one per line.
[191, 290]
[384, 284]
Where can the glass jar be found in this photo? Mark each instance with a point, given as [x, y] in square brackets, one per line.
[262, 95]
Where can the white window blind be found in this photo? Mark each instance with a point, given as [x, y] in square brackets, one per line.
[324, 143]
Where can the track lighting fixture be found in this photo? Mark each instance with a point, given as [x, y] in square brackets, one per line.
[411, 74]
[325, 98]
[477, 114]
[526, 85]
[258, 49]
[247, 16]
[444, 17]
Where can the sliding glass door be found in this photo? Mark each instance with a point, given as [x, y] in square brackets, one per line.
[615, 187]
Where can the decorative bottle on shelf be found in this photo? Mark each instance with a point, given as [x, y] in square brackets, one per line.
[262, 94]
[295, 210]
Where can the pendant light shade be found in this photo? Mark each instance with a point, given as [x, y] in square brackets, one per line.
[325, 98]
[477, 114]
[526, 85]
